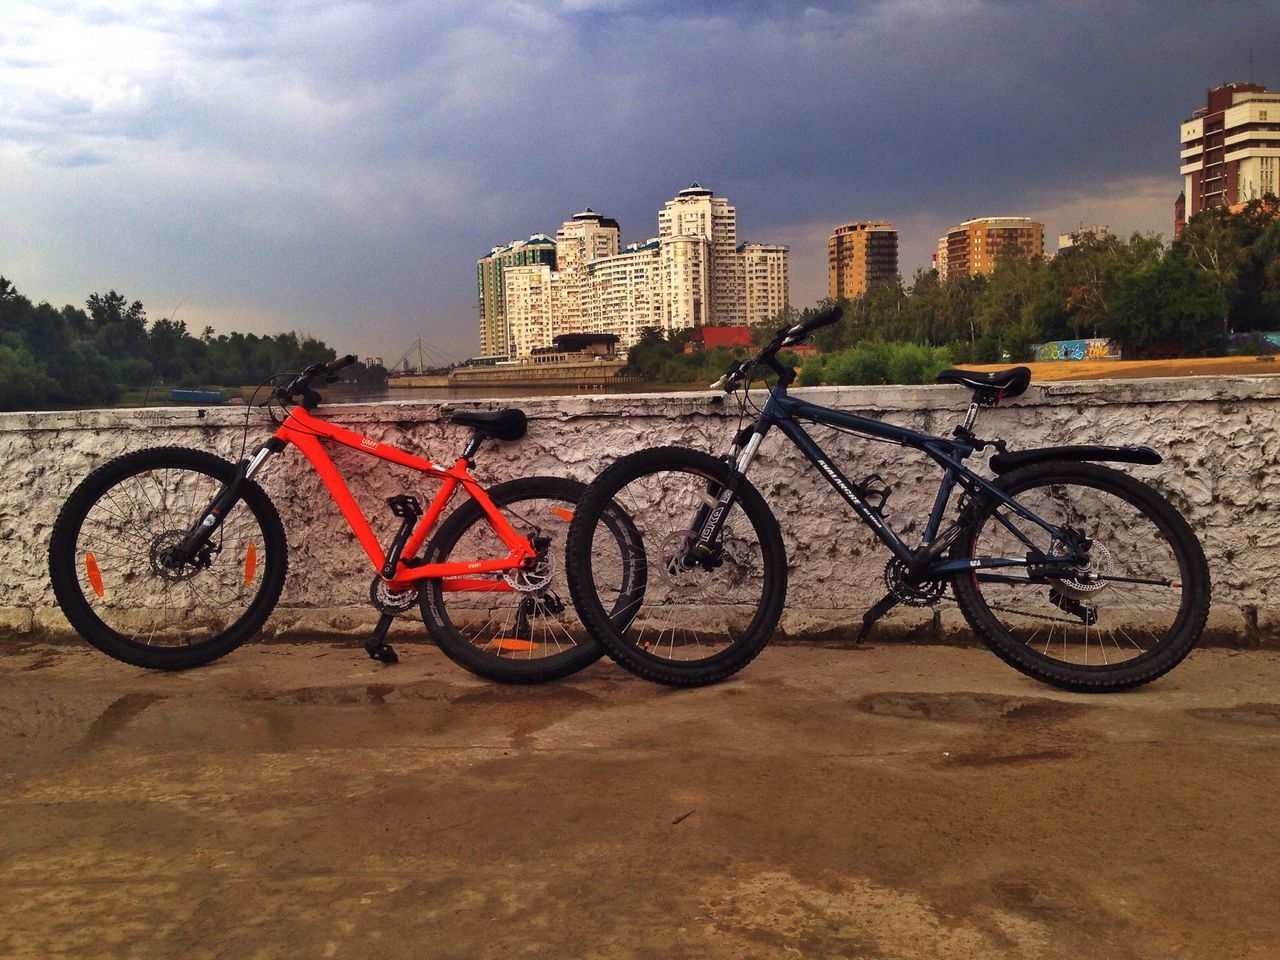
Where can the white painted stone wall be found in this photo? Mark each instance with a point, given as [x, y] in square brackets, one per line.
[1218, 435]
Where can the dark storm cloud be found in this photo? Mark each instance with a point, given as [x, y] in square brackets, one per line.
[304, 164]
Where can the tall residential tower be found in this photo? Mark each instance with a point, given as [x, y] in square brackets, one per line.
[977, 246]
[1231, 147]
[697, 214]
[860, 254]
[495, 332]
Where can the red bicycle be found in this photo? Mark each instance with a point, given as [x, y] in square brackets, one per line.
[170, 557]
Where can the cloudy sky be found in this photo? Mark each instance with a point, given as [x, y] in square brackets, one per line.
[337, 167]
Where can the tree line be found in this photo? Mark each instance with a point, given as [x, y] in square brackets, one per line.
[72, 357]
[1219, 278]
[1204, 292]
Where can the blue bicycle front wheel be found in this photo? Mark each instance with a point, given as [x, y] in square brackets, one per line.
[698, 619]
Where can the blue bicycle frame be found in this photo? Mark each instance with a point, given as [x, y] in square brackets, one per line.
[785, 412]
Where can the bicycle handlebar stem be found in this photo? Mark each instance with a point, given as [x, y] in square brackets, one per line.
[786, 336]
[300, 386]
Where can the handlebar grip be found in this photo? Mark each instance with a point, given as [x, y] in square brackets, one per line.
[333, 366]
[823, 318]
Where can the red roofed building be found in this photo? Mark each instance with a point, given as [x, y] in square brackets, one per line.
[707, 338]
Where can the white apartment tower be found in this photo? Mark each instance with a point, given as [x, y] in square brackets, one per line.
[530, 301]
[764, 280]
[697, 213]
[622, 294]
[1231, 147]
[585, 237]
[685, 282]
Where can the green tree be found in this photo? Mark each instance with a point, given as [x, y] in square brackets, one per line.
[1220, 245]
[1170, 301]
[23, 381]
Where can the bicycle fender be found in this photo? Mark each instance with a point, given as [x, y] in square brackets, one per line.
[1011, 460]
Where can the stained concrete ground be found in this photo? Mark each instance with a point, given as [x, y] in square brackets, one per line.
[884, 801]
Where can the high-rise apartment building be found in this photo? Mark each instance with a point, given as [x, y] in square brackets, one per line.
[765, 282]
[977, 246]
[622, 294]
[585, 237]
[495, 335]
[697, 212]
[690, 275]
[530, 293]
[685, 281]
[860, 254]
[1231, 147]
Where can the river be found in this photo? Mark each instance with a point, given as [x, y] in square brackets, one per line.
[511, 391]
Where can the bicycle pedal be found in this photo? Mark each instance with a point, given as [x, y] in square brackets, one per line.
[383, 653]
[403, 505]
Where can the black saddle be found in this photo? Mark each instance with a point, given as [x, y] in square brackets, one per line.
[509, 424]
[989, 388]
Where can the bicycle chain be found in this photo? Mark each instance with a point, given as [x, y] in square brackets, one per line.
[1032, 616]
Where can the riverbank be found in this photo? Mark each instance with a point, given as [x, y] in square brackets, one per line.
[440, 388]
[1058, 370]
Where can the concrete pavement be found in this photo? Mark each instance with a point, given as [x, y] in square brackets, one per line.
[884, 801]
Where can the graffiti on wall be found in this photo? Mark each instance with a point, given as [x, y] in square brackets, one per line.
[1098, 348]
[1255, 341]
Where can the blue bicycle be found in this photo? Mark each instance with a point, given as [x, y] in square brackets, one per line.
[1073, 572]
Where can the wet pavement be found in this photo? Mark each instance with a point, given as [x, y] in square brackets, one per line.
[885, 801]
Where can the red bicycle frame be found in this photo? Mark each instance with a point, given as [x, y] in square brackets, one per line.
[307, 433]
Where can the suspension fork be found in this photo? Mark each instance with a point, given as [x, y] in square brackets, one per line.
[708, 523]
[212, 516]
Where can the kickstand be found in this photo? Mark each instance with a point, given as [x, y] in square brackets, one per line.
[376, 646]
[883, 606]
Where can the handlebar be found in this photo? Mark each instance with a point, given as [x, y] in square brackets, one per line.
[333, 366]
[301, 384]
[785, 337]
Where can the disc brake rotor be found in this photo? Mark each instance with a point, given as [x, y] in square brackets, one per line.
[1102, 564]
[533, 578]
[160, 546]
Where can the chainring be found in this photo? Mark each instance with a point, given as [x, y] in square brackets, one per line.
[924, 594]
[393, 602]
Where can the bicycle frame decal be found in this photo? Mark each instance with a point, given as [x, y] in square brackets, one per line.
[307, 433]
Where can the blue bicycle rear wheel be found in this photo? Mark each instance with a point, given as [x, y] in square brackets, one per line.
[1126, 617]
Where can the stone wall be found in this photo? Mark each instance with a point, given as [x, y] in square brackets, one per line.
[1218, 435]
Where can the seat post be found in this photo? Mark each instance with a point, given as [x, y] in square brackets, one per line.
[472, 446]
[972, 415]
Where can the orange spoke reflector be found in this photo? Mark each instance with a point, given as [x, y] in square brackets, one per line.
[93, 573]
[250, 562]
[562, 513]
[1176, 585]
[513, 643]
